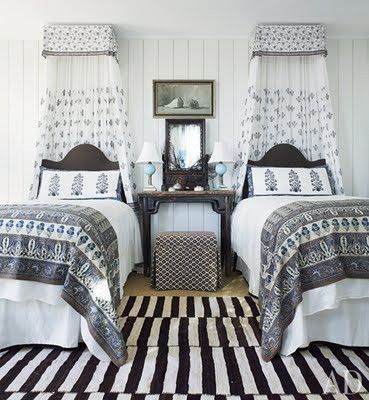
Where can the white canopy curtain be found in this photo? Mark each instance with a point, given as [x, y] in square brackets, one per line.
[288, 99]
[85, 101]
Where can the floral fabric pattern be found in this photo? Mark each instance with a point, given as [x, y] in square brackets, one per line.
[79, 40]
[270, 181]
[280, 181]
[102, 184]
[316, 182]
[54, 186]
[77, 185]
[305, 245]
[80, 184]
[69, 245]
[288, 102]
[294, 181]
[292, 39]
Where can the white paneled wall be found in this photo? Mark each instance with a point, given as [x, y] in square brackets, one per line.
[22, 82]
[348, 73]
[22, 74]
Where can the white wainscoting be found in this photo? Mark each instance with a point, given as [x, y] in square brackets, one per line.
[22, 83]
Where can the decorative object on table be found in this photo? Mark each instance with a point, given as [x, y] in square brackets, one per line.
[220, 156]
[186, 261]
[184, 158]
[171, 189]
[177, 186]
[149, 156]
[198, 189]
[183, 98]
[212, 177]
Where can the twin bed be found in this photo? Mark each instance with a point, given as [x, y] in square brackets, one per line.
[312, 286]
[64, 264]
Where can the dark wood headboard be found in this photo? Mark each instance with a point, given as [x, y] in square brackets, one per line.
[84, 157]
[282, 155]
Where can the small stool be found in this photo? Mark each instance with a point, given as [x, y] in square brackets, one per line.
[186, 261]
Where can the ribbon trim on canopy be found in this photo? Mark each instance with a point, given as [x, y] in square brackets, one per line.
[289, 40]
[79, 40]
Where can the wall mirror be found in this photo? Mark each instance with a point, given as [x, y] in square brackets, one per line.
[184, 158]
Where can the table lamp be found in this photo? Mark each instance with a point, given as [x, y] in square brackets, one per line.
[149, 156]
[220, 156]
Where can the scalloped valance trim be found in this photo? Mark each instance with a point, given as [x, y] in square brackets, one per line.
[79, 40]
[288, 40]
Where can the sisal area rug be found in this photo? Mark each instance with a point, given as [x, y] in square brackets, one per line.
[195, 348]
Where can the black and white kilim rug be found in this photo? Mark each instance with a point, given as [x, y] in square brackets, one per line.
[195, 348]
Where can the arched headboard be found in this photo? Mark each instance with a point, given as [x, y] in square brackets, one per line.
[84, 157]
[282, 155]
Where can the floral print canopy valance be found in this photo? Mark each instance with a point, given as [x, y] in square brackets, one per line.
[68, 40]
[84, 100]
[288, 40]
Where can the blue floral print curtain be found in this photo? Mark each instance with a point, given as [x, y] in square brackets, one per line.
[84, 100]
[288, 99]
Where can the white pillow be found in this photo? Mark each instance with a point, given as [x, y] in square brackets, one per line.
[59, 184]
[266, 181]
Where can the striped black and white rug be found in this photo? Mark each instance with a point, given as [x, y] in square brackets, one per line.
[195, 348]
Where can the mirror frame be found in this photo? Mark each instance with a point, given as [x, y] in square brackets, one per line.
[188, 178]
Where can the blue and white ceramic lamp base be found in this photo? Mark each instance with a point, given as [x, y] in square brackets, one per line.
[149, 170]
[221, 169]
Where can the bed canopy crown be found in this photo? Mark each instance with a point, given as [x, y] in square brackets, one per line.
[288, 40]
[80, 40]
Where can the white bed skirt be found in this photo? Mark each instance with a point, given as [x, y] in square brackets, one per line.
[49, 320]
[346, 325]
[336, 313]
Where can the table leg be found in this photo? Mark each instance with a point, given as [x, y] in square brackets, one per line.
[222, 239]
[226, 236]
[146, 241]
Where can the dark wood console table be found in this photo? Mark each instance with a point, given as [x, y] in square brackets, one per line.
[221, 201]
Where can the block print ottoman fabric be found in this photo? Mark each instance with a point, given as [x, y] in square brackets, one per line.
[186, 261]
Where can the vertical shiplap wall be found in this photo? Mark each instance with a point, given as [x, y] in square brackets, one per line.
[348, 73]
[22, 83]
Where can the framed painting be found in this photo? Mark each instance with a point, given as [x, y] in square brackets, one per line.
[184, 98]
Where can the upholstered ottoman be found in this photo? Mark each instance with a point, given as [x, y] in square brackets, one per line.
[186, 261]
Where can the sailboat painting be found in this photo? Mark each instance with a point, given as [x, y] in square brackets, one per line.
[183, 98]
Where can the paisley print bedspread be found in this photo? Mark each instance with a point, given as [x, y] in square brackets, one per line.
[304, 245]
[70, 245]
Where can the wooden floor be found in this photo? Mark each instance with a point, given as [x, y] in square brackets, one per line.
[139, 285]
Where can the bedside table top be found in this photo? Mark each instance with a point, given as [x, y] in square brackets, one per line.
[190, 193]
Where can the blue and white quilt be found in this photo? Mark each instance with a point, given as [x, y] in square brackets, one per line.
[305, 245]
[70, 245]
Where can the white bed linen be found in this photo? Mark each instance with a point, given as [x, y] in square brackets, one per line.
[344, 304]
[35, 313]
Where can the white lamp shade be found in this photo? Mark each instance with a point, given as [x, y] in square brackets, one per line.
[149, 153]
[220, 154]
